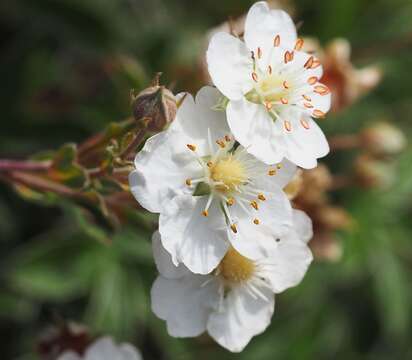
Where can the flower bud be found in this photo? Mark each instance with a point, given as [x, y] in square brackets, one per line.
[157, 105]
[334, 217]
[371, 172]
[383, 139]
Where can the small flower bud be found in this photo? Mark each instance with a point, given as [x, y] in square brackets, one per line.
[334, 217]
[371, 172]
[157, 104]
[383, 139]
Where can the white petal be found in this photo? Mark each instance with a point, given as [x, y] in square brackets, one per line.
[282, 177]
[320, 102]
[196, 119]
[275, 219]
[69, 355]
[255, 130]
[302, 225]
[299, 60]
[241, 317]
[199, 242]
[263, 25]
[288, 262]
[163, 260]
[305, 145]
[230, 65]
[128, 352]
[162, 167]
[102, 349]
[184, 303]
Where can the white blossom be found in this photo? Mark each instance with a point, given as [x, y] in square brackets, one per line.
[209, 193]
[105, 349]
[236, 301]
[273, 88]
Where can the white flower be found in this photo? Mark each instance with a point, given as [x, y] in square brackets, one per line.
[206, 189]
[236, 301]
[273, 88]
[105, 349]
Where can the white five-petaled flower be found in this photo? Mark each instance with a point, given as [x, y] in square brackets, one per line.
[273, 88]
[236, 301]
[210, 193]
[105, 349]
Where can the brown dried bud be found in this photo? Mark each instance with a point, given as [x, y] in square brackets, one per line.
[156, 105]
[371, 172]
[383, 139]
[334, 217]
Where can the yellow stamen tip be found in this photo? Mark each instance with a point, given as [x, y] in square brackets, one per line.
[191, 147]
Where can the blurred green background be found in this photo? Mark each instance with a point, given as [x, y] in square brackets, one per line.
[66, 70]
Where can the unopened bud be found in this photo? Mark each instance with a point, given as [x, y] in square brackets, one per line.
[371, 172]
[383, 139]
[334, 217]
[157, 105]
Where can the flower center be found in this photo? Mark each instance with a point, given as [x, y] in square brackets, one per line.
[228, 173]
[236, 268]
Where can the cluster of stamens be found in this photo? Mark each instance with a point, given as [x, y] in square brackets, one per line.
[226, 176]
[279, 88]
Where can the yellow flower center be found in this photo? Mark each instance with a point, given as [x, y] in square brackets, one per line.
[235, 267]
[229, 173]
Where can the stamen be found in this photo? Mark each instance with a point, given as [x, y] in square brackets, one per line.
[307, 98]
[318, 113]
[288, 125]
[279, 166]
[285, 85]
[308, 105]
[276, 41]
[268, 105]
[191, 147]
[227, 138]
[305, 124]
[288, 56]
[254, 204]
[188, 182]
[270, 69]
[272, 172]
[308, 64]
[299, 44]
[230, 201]
[313, 80]
[220, 143]
[284, 101]
[261, 197]
[254, 77]
[322, 90]
[234, 228]
[209, 164]
[256, 221]
[316, 63]
[259, 52]
[205, 213]
[252, 54]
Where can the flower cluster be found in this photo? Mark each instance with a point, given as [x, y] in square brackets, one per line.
[228, 237]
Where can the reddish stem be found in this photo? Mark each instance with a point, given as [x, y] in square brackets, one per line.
[11, 165]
